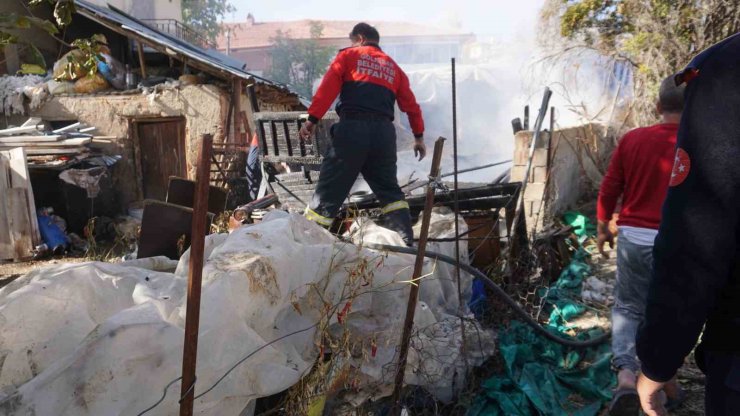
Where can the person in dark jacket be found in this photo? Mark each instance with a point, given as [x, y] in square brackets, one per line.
[638, 173]
[368, 83]
[696, 275]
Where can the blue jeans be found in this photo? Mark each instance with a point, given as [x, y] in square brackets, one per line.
[634, 272]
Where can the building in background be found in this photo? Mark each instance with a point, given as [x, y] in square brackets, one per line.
[160, 9]
[408, 43]
[163, 15]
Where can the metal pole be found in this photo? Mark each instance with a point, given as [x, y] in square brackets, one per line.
[520, 198]
[414, 293]
[456, 205]
[412, 186]
[197, 243]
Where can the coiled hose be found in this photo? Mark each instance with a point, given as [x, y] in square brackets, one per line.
[524, 315]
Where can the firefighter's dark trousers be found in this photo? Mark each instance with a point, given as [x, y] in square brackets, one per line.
[367, 147]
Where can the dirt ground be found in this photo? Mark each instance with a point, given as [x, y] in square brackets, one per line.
[689, 376]
[10, 271]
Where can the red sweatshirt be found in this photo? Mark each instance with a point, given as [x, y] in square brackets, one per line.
[639, 172]
[369, 82]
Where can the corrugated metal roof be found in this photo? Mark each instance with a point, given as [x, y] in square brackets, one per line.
[123, 23]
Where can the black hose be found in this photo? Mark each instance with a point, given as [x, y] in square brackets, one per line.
[524, 315]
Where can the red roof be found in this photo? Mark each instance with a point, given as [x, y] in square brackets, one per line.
[258, 34]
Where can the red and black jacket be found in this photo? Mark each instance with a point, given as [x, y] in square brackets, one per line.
[696, 258]
[369, 82]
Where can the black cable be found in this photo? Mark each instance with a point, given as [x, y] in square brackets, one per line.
[161, 399]
[251, 354]
[164, 393]
[500, 293]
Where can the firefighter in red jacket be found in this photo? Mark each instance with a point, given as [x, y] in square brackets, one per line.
[368, 83]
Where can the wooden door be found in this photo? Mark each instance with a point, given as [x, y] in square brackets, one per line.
[161, 154]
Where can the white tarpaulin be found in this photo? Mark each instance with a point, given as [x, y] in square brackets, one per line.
[105, 339]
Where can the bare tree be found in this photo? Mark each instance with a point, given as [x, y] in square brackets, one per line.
[655, 38]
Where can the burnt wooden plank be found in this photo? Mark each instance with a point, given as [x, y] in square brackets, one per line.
[166, 229]
[302, 143]
[286, 131]
[181, 192]
[275, 142]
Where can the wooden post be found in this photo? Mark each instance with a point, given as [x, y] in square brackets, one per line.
[197, 238]
[142, 62]
[237, 99]
[414, 293]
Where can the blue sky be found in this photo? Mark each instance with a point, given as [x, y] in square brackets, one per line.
[504, 19]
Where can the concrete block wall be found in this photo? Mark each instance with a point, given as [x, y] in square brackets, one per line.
[578, 157]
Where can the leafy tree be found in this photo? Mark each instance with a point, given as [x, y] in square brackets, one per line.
[300, 62]
[204, 15]
[655, 37]
[12, 25]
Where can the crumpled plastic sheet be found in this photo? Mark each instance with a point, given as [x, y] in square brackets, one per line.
[87, 179]
[542, 376]
[105, 339]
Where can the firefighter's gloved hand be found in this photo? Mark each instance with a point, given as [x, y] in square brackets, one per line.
[420, 149]
[307, 131]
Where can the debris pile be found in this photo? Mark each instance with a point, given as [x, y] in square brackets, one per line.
[107, 338]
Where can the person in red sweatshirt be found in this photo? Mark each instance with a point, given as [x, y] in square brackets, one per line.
[369, 83]
[639, 172]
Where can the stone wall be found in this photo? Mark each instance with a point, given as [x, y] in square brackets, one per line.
[204, 107]
[567, 168]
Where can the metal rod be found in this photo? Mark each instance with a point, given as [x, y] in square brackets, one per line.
[280, 184]
[456, 208]
[444, 175]
[414, 292]
[197, 244]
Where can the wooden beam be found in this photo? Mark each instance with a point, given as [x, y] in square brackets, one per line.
[6, 241]
[19, 221]
[197, 244]
[237, 99]
[20, 178]
[142, 62]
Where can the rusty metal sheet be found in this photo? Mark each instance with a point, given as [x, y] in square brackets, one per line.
[165, 229]
[181, 191]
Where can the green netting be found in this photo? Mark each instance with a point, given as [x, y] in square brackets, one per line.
[546, 378]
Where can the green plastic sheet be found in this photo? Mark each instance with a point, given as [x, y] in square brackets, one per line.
[543, 377]
[582, 225]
